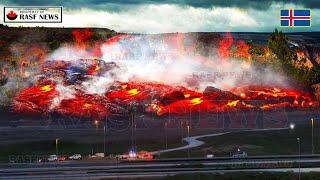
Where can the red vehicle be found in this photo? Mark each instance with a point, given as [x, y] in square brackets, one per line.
[62, 158]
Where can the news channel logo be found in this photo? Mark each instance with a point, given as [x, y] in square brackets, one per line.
[32, 14]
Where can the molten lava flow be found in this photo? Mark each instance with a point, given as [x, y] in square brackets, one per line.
[34, 100]
[270, 97]
[151, 97]
[196, 101]
[233, 103]
[87, 105]
[84, 106]
[46, 88]
[272, 106]
[133, 92]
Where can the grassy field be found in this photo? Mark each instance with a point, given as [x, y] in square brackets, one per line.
[85, 142]
[275, 142]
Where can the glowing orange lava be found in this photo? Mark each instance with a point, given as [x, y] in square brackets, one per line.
[233, 103]
[196, 101]
[133, 92]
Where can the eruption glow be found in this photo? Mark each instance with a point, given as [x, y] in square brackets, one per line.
[161, 73]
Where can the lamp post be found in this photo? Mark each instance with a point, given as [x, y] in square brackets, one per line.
[188, 128]
[57, 140]
[96, 124]
[104, 140]
[298, 140]
[312, 136]
[292, 126]
[166, 136]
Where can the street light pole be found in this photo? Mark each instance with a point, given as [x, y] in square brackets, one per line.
[165, 132]
[104, 140]
[96, 123]
[298, 139]
[57, 139]
[312, 136]
[188, 128]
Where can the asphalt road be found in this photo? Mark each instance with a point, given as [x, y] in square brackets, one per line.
[194, 142]
[106, 175]
[97, 170]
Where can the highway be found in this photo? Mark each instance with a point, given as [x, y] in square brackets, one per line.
[165, 167]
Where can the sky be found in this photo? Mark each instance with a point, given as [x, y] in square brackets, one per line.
[162, 16]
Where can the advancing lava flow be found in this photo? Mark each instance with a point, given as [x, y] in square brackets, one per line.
[156, 98]
[66, 86]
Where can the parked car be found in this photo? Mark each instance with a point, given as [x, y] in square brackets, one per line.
[75, 157]
[62, 158]
[52, 158]
[209, 156]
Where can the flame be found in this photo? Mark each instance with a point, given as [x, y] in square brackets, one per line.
[133, 92]
[186, 95]
[225, 46]
[81, 36]
[196, 101]
[46, 88]
[243, 51]
[87, 105]
[233, 103]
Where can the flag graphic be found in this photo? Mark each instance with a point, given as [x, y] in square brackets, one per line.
[295, 18]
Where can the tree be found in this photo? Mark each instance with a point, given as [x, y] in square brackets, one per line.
[278, 45]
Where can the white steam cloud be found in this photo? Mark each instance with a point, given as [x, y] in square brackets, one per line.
[171, 59]
[64, 92]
